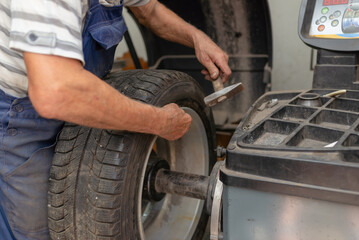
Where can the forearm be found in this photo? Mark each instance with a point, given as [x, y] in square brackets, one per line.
[166, 24]
[94, 103]
[77, 96]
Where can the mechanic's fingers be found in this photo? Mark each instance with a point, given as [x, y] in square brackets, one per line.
[173, 106]
[208, 78]
[211, 67]
[225, 73]
[223, 66]
[188, 119]
[206, 75]
[177, 122]
[220, 67]
[205, 72]
[180, 128]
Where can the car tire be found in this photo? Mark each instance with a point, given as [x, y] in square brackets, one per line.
[97, 175]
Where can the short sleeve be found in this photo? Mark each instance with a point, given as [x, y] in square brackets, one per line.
[48, 27]
[135, 3]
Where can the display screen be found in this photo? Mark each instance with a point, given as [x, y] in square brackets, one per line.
[334, 2]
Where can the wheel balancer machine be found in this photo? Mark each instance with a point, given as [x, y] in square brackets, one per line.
[292, 165]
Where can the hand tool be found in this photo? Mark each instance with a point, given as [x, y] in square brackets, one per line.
[222, 93]
[336, 93]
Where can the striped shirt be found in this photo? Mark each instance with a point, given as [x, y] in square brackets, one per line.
[51, 27]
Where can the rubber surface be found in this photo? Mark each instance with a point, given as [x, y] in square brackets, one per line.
[95, 173]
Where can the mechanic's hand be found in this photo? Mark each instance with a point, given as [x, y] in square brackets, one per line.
[175, 122]
[214, 59]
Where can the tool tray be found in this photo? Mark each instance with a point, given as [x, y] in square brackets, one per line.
[312, 142]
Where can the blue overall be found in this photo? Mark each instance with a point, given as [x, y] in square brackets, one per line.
[27, 140]
[103, 30]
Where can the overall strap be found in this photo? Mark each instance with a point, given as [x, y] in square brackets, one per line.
[92, 3]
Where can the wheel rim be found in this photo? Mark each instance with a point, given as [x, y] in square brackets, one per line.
[176, 217]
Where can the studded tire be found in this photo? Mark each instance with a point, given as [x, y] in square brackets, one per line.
[95, 175]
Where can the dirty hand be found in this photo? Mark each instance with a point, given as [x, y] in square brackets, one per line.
[214, 59]
[175, 122]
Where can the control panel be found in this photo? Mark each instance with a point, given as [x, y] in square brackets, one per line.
[330, 24]
[335, 19]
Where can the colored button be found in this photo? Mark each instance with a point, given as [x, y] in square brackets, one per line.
[321, 28]
[323, 19]
[335, 23]
[12, 131]
[337, 14]
[19, 108]
[325, 10]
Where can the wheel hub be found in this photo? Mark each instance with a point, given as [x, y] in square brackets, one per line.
[154, 165]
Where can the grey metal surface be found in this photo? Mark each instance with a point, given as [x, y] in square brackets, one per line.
[175, 217]
[251, 215]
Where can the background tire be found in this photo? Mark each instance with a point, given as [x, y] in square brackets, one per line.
[95, 189]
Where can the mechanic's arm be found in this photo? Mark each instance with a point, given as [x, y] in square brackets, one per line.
[169, 26]
[60, 88]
